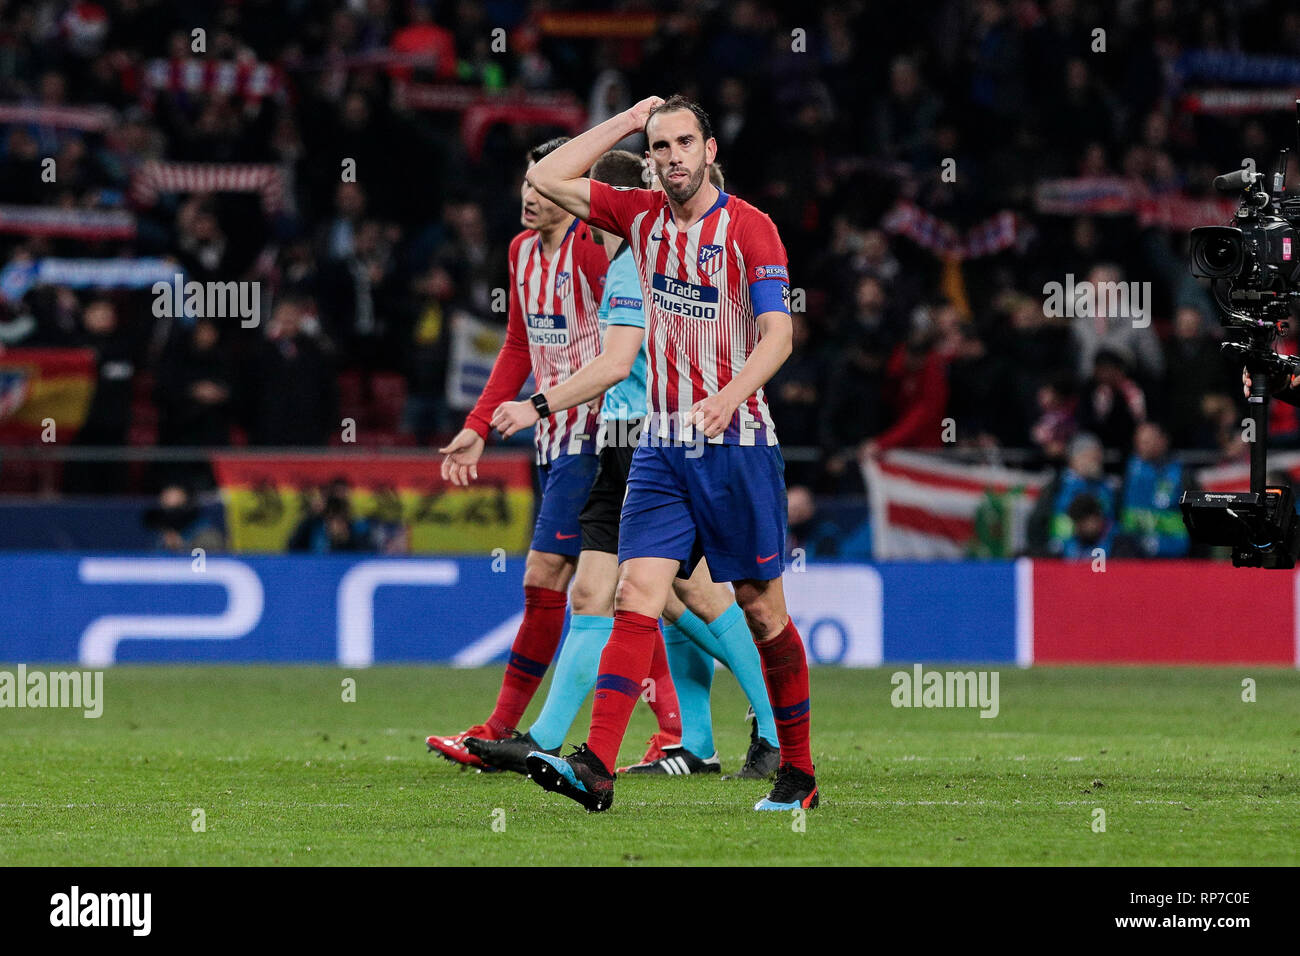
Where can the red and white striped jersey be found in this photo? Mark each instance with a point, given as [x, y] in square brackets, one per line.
[703, 288]
[553, 322]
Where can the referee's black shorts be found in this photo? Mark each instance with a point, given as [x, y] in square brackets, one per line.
[599, 518]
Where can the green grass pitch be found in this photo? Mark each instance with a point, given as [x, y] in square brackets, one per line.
[286, 772]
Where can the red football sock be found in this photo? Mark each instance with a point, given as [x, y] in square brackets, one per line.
[624, 663]
[785, 671]
[530, 655]
[664, 700]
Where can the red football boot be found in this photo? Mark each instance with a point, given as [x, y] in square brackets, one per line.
[453, 748]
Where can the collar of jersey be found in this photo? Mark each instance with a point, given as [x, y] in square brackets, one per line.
[668, 220]
[541, 253]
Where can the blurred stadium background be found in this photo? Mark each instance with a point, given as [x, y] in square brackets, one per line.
[956, 452]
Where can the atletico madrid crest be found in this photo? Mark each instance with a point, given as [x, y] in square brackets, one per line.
[710, 259]
[13, 390]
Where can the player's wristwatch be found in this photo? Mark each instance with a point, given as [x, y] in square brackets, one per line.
[539, 403]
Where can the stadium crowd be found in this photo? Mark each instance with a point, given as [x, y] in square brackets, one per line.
[869, 161]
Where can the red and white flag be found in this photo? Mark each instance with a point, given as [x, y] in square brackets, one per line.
[924, 506]
[1235, 476]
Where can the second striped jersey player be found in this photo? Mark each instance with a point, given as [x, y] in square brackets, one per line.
[557, 274]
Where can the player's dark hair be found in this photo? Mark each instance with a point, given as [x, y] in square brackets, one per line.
[678, 102]
[618, 167]
[539, 152]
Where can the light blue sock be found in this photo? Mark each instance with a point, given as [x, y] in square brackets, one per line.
[692, 671]
[694, 627]
[737, 643]
[575, 676]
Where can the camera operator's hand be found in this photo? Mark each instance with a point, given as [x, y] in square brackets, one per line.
[1279, 383]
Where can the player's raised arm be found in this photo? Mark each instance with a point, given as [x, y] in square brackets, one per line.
[561, 175]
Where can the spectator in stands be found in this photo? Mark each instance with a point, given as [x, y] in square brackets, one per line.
[194, 387]
[866, 253]
[734, 127]
[470, 257]
[905, 116]
[870, 312]
[873, 257]
[429, 328]
[180, 526]
[997, 74]
[20, 165]
[299, 272]
[1050, 525]
[819, 535]
[358, 299]
[202, 245]
[1085, 114]
[1041, 344]
[1113, 404]
[851, 409]
[979, 402]
[794, 394]
[1119, 321]
[916, 395]
[290, 395]
[1091, 529]
[349, 210]
[363, 135]
[1153, 484]
[194, 391]
[423, 37]
[1222, 419]
[1195, 368]
[1056, 423]
[329, 526]
[609, 97]
[109, 417]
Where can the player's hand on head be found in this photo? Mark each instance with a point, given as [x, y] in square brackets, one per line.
[460, 464]
[511, 417]
[640, 113]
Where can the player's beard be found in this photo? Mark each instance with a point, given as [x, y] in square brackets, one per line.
[684, 192]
